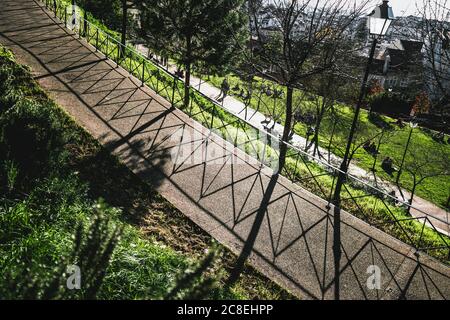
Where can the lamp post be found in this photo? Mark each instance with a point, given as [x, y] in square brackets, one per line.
[412, 126]
[378, 22]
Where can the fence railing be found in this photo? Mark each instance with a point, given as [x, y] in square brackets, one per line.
[368, 202]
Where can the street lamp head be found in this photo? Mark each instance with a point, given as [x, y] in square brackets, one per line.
[380, 19]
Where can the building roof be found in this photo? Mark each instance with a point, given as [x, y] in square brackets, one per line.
[401, 54]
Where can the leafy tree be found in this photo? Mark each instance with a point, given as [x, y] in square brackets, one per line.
[375, 89]
[194, 32]
[109, 12]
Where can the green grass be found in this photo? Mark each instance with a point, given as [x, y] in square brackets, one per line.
[367, 204]
[52, 174]
[435, 189]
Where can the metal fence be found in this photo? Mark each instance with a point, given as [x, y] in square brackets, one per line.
[366, 201]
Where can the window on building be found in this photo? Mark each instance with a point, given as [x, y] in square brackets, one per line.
[404, 82]
[391, 82]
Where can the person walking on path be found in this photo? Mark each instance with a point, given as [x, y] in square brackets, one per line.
[267, 120]
[224, 88]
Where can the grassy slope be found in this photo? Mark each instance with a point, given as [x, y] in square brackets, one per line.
[435, 189]
[41, 201]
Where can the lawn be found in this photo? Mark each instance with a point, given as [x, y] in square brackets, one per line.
[55, 180]
[435, 189]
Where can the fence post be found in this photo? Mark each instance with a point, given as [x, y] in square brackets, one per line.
[157, 82]
[173, 90]
[96, 41]
[107, 45]
[118, 54]
[212, 114]
[263, 159]
[65, 17]
[85, 25]
[143, 72]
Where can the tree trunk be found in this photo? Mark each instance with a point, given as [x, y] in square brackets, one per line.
[187, 76]
[413, 192]
[315, 139]
[287, 129]
[187, 83]
[124, 27]
[331, 141]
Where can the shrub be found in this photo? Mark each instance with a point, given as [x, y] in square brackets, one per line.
[390, 104]
[32, 138]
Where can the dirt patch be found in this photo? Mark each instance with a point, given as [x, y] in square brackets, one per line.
[155, 216]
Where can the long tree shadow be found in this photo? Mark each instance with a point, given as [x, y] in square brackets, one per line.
[250, 241]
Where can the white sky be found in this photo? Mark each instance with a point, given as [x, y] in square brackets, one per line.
[400, 7]
[405, 7]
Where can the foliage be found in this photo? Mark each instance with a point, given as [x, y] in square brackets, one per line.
[421, 104]
[375, 89]
[194, 32]
[108, 12]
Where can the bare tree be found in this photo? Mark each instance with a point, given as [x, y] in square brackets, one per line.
[322, 102]
[330, 87]
[291, 36]
[435, 34]
[429, 165]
